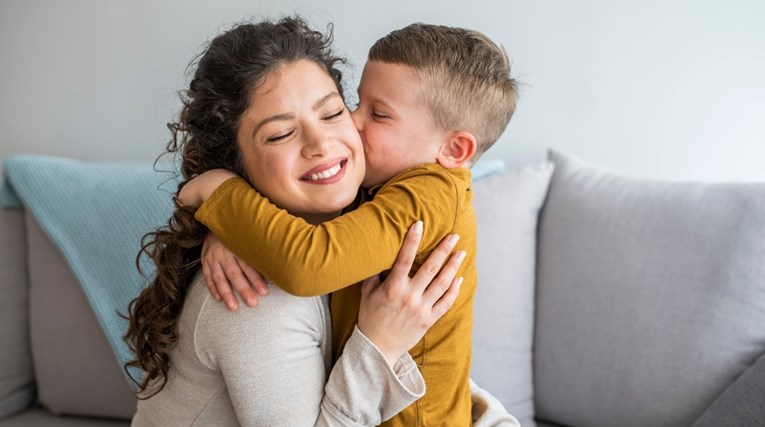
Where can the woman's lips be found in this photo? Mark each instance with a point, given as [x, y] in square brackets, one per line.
[327, 173]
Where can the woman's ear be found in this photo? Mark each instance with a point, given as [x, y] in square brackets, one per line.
[457, 150]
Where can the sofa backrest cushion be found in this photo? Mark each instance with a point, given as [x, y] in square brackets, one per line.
[76, 370]
[96, 214]
[507, 207]
[650, 296]
[742, 404]
[16, 376]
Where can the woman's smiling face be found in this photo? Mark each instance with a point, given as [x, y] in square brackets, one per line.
[299, 145]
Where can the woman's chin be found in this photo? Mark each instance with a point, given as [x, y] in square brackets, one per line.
[317, 218]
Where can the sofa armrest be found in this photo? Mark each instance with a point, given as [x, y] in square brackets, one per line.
[77, 373]
[17, 384]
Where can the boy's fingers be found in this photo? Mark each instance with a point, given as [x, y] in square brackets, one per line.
[209, 281]
[224, 288]
[408, 251]
[441, 284]
[238, 280]
[257, 281]
[432, 265]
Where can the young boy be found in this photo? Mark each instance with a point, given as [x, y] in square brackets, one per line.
[432, 99]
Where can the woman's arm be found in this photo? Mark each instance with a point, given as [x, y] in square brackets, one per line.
[488, 411]
[394, 316]
[274, 359]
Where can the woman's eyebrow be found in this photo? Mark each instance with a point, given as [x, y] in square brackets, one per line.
[324, 99]
[276, 118]
[289, 116]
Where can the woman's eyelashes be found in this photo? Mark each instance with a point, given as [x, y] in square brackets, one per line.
[334, 115]
[280, 137]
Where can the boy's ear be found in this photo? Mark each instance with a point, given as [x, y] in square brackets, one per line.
[457, 150]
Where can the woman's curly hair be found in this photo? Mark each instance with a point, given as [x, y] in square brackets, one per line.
[204, 137]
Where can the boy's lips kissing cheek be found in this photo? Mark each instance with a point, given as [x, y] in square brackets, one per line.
[326, 173]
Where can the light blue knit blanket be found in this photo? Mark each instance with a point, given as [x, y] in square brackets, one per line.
[96, 214]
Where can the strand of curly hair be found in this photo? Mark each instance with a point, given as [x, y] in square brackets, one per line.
[204, 137]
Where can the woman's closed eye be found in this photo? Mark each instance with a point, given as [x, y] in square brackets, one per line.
[280, 137]
[334, 115]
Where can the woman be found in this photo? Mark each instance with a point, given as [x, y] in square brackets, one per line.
[205, 365]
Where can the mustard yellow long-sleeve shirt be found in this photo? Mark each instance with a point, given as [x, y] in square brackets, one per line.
[309, 260]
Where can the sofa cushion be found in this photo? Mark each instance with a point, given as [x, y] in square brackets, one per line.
[77, 373]
[39, 417]
[507, 208]
[650, 296]
[16, 376]
[742, 404]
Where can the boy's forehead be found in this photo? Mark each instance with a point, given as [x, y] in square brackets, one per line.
[385, 77]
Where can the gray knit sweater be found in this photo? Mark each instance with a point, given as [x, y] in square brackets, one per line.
[269, 366]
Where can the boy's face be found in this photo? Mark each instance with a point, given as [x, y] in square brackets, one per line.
[396, 126]
[299, 145]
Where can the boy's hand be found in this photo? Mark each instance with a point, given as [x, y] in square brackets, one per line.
[222, 269]
[395, 314]
[200, 188]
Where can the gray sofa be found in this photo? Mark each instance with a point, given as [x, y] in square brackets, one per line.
[603, 301]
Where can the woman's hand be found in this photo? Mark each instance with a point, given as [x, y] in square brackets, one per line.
[224, 270]
[395, 314]
[201, 187]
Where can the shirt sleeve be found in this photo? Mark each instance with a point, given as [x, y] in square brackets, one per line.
[363, 381]
[488, 411]
[307, 260]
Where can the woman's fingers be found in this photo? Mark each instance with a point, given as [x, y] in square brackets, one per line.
[408, 251]
[447, 300]
[369, 284]
[436, 288]
[431, 267]
[396, 313]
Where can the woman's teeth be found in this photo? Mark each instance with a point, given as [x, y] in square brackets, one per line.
[327, 173]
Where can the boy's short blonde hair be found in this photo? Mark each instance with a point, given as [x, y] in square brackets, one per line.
[466, 77]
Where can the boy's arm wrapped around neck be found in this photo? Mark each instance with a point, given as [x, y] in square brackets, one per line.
[307, 260]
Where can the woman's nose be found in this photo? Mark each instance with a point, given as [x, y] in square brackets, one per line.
[317, 143]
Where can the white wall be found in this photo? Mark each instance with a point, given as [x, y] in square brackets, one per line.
[666, 89]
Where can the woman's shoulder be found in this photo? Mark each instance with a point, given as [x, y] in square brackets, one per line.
[278, 320]
[275, 311]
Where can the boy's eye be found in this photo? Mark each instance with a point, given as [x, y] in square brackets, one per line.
[280, 137]
[377, 115]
